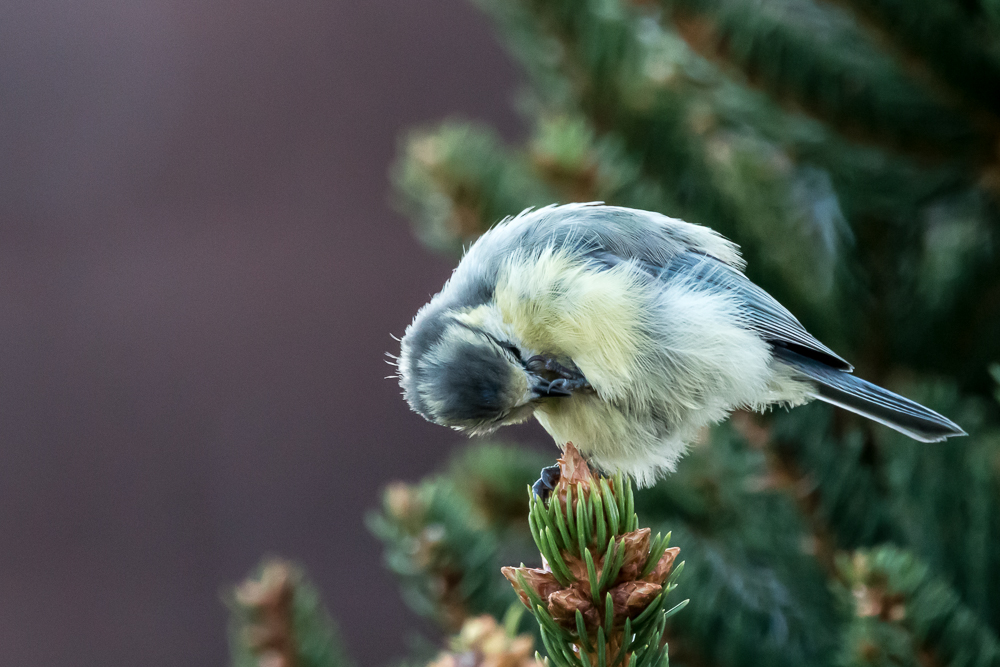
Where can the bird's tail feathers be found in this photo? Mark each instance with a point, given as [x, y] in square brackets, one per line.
[844, 390]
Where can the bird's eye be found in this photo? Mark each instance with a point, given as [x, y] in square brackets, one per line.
[512, 349]
[505, 346]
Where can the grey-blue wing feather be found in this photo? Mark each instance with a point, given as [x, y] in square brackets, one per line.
[763, 313]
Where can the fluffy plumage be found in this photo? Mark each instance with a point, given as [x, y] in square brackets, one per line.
[624, 332]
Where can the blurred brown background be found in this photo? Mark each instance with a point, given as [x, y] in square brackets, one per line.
[199, 273]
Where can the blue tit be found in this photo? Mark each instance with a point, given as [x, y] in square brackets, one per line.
[624, 332]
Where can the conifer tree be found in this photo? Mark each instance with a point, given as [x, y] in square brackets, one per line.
[852, 149]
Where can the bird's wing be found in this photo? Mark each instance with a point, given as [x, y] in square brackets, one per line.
[763, 313]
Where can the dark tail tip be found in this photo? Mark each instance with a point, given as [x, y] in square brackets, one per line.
[844, 390]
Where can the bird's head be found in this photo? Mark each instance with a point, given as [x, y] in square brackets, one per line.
[463, 368]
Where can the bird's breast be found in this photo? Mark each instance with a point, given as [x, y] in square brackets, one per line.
[593, 425]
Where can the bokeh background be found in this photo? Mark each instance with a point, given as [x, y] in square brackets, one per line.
[199, 272]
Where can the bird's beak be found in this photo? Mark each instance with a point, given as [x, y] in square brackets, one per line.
[544, 389]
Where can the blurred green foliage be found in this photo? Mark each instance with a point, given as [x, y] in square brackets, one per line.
[852, 149]
[278, 620]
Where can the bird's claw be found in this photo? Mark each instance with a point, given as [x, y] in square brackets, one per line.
[546, 482]
[567, 379]
[569, 386]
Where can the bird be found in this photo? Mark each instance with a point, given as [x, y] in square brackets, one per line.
[624, 332]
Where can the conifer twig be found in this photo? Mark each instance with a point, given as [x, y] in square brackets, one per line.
[444, 554]
[279, 621]
[482, 642]
[269, 601]
[898, 601]
[600, 595]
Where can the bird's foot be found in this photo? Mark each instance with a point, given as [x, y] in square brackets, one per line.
[546, 482]
[569, 386]
[565, 378]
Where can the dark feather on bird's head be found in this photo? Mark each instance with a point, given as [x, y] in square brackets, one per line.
[457, 375]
